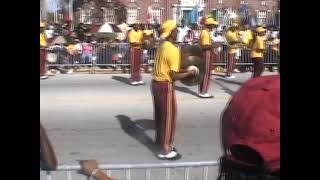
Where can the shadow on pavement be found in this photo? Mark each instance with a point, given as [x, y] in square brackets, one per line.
[228, 81]
[225, 88]
[121, 79]
[137, 130]
[185, 90]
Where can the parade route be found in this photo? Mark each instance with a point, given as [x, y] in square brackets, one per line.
[100, 116]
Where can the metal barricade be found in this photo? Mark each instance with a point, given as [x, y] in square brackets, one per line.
[146, 171]
[118, 54]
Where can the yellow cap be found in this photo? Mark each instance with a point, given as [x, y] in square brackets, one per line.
[42, 24]
[261, 29]
[167, 27]
[210, 21]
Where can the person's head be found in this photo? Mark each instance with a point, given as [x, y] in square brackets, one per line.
[251, 125]
[234, 26]
[246, 26]
[183, 23]
[169, 31]
[136, 26]
[189, 33]
[149, 26]
[210, 23]
[261, 31]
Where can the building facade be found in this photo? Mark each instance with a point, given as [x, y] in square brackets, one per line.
[151, 11]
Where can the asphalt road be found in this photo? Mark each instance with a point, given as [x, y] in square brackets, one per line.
[100, 116]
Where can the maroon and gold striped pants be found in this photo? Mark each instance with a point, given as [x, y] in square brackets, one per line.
[43, 68]
[165, 106]
[135, 57]
[204, 85]
[231, 62]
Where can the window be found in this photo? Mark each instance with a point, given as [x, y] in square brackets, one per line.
[86, 15]
[263, 3]
[132, 14]
[220, 15]
[202, 2]
[243, 2]
[109, 15]
[261, 16]
[132, 0]
[156, 0]
[109, 0]
[156, 15]
[220, 2]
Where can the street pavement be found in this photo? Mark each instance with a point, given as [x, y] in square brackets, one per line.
[102, 117]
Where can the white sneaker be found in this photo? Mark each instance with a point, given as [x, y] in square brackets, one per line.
[43, 77]
[171, 154]
[206, 95]
[70, 71]
[140, 82]
[236, 70]
[134, 83]
[230, 77]
[49, 73]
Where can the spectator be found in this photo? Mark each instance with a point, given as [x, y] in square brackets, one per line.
[189, 38]
[87, 50]
[43, 54]
[251, 132]
[78, 49]
[182, 31]
[48, 159]
[49, 32]
[80, 30]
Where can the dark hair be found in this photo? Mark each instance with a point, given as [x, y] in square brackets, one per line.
[231, 170]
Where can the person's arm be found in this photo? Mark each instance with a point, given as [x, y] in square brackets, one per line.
[181, 75]
[89, 166]
[48, 159]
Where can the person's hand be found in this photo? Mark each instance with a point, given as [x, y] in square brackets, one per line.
[87, 166]
[193, 71]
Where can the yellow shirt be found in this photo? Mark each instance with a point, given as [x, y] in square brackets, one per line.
[205, 38]
[148, 32]
[258, 44]
[167, 59]
[247, 36]
[43, 41]
[135, 36]
[232, 37]
[71, 49]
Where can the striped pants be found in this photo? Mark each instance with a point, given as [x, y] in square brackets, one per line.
[135, 57]
[230, 64]
[165, 106]
[258, 67]
[204, 85]
[43, 68]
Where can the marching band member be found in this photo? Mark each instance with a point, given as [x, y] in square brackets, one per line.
[232, 36]
[43, 54]
[207, 47]
[135, 37]
[257, 51]
[166, 71]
